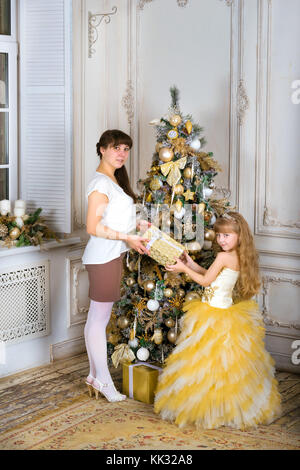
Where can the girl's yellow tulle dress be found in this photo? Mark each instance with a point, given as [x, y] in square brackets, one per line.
[219, 373]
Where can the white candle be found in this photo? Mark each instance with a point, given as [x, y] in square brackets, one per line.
[20, 203]
[5, 207]
[19, 211]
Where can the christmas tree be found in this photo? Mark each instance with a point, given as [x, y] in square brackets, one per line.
[146, 321]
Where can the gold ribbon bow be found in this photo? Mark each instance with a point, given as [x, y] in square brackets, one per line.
[122, 353]
[173, 170]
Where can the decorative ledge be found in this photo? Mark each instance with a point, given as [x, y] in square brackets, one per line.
[45, 247]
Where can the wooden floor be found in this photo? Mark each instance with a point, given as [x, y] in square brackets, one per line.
[25, 396]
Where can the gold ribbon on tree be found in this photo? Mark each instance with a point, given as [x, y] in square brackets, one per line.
[172, 169]
[122, 353]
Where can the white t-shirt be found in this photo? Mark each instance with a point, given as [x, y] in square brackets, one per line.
[119, 215]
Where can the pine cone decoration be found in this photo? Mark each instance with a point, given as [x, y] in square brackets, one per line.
[3, 231]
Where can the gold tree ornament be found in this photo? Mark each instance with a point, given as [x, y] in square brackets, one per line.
[175, 120]
[172, 134]
[178, 189]
[130, 281]
[188, 126]
[123, 322]
[188, 173]
[132, 266]
[149, 286]
[14, 233]
[113, 338]
[169, 322]
[181, 293]
[168, 292]
[210, 235]
[172, 336]
[193, 246]
[166, 154]
[178, 205]
[157, 336]
[191, 296]
[189, 195]
[155, 184]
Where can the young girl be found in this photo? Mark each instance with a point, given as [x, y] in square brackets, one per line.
[219, 373]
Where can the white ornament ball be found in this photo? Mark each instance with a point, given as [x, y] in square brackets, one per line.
[153, 305]
[207, 192]
[133, 343]
[213, 220]
[195, 144]
[143, 354]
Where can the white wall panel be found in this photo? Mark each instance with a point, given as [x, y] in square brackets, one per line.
[189, 47]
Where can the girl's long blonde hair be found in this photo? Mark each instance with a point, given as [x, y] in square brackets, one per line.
[248, 283]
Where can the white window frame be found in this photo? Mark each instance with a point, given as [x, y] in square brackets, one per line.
[8, 45]
[13, 18]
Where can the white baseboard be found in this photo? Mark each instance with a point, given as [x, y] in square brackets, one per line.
[67, 349]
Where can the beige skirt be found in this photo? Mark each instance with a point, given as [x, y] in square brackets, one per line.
[105, 280]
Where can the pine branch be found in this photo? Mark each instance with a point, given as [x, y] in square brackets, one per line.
[174, 96]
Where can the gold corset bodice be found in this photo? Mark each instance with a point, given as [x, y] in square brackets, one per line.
[219, 293]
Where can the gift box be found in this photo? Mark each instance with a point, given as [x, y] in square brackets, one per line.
[140, 380]
[163, 249]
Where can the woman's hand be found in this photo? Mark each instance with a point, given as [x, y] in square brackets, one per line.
[179, 267]
[137, 243]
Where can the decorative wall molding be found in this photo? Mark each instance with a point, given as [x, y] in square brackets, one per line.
[68, 348]
[228, 2]
[180, 3]
[128, 101]
[269, 220]
[243, 102]
[94, 21]
[265, 222]
[75, 270]
[267, 281]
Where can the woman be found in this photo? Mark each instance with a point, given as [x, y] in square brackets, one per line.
[110, 218]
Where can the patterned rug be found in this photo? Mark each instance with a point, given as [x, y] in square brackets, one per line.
[89, 424]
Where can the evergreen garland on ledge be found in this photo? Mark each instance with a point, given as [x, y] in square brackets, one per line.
[33, 232]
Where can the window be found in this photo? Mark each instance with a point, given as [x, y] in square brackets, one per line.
[8, 101]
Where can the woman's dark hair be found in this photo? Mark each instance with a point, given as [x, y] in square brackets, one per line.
[115, 137]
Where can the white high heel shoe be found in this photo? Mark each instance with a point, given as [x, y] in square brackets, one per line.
[99, 387]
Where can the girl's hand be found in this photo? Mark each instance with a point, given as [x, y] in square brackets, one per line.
[137, 243]
[186, 259]
[179, 267]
